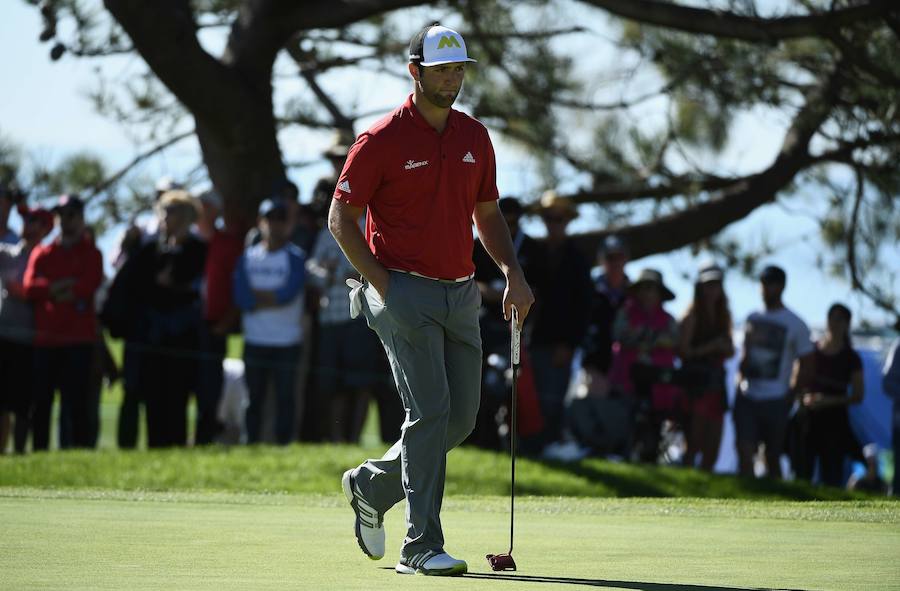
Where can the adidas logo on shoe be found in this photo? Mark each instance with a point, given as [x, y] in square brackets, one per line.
[369, 527]
[431, 563]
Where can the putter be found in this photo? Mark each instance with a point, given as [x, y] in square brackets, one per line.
[505, 561]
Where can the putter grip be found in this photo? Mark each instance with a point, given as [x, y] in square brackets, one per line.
[516, 337]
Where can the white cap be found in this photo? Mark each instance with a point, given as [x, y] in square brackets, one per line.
[438, 45]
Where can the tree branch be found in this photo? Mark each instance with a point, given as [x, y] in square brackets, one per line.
[263, 27]
[855, 281]
[165, 35]
[859, 57]
[624, 192]
[747, 28]
[737, 200]
[137, 160]
[341, 121]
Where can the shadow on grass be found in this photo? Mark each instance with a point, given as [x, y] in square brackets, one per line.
[630, 480]
[636, 585]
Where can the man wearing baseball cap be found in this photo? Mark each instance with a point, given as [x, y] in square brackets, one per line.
[61, 280]
[423, 174]
[775, 341]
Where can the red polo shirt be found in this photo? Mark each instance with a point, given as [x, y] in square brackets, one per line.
[64, 323]
[420, 187]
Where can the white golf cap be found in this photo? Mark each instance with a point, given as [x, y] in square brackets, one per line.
[435, 45]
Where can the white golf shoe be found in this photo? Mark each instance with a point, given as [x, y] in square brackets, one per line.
[432, 563]
[369, 527]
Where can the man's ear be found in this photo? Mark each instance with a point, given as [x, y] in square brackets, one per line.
[413, 71]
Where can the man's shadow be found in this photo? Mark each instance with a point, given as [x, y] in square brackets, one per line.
[635, 585]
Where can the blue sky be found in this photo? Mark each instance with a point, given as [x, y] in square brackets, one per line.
[44, 108]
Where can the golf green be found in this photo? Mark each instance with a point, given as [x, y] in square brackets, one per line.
[220, 541]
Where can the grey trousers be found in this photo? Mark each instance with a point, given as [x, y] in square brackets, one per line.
[431, 334]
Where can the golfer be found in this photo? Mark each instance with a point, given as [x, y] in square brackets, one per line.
[424, 172]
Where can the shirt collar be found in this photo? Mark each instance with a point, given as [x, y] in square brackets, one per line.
[417, 118]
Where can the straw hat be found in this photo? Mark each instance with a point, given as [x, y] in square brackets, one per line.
[554, 205]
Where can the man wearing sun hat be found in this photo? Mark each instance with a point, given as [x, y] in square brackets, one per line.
[422, 174]
[560, 324]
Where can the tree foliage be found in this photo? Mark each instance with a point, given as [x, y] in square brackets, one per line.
[630, 104]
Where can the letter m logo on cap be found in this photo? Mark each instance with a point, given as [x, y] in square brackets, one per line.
[448, 41]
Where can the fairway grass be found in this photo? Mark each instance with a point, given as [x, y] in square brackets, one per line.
[107, 539]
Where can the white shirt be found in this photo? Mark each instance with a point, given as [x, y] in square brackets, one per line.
[270, 271]
[773, 340]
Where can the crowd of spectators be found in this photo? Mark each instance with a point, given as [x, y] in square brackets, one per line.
[607, 369]
[616, 374]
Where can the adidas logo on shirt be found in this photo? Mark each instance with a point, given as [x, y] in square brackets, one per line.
[345, 186]
[469, 158]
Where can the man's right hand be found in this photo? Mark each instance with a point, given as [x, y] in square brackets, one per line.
[517, 294]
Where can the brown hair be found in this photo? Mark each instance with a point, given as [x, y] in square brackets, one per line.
[707, 328]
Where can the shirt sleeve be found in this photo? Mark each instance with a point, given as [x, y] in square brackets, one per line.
[488, 190]
[295, 281]
[243, 293]
[36, 284]
[361, 175]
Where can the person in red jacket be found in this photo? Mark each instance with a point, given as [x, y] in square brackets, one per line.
[61, 280]
[221, 318]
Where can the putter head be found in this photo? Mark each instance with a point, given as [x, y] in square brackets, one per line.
[501, 561]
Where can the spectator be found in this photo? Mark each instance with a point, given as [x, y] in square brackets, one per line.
[891, 384]
[645, 338]
[494, 330]
[776, 363]
[348, 362]
[17, 329]
[302, 222]
[822, 418]
[704, 346]
[141, 231]
[268, 288]
[61, 280]
[165, 282]
[563, 293]
[221, 317]
[608, 295]
[103, 366]
[124, 318]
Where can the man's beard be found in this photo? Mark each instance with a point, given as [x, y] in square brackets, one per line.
[441, 100]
